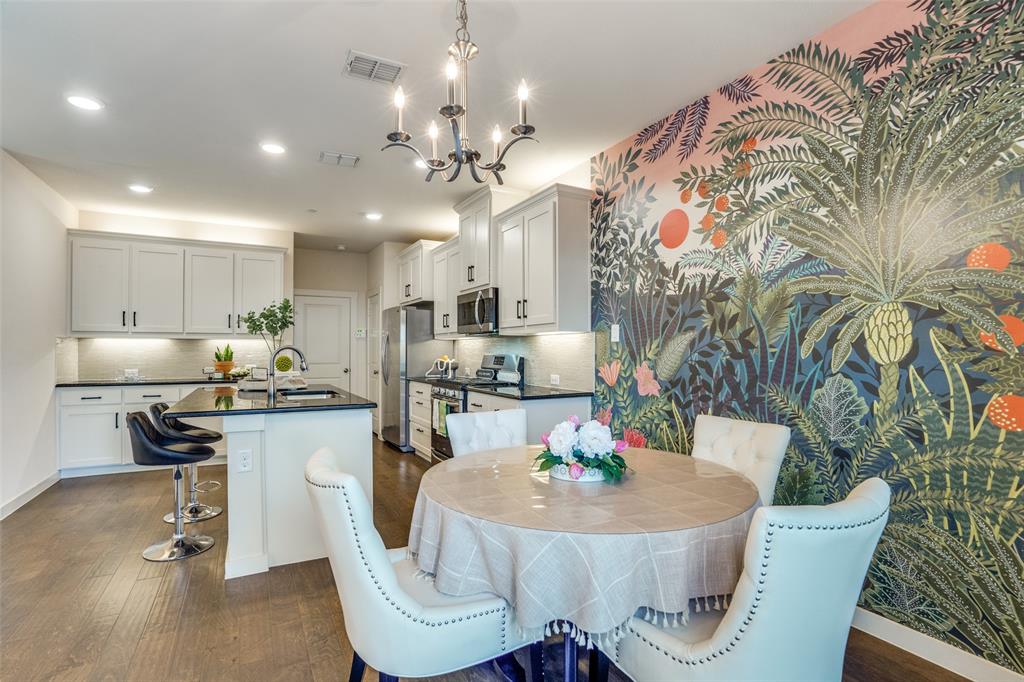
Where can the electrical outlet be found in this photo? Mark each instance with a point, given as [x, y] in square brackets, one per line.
[244, 461]
[555, 379]
[615, 333]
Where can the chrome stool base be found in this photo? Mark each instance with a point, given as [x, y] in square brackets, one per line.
[194, 513]
[178, 548]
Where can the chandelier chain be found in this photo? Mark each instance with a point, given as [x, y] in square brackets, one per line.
[462, 15]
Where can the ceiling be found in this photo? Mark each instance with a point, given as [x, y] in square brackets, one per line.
[192, 88]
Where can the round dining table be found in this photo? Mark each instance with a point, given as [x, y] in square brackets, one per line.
[583, 558]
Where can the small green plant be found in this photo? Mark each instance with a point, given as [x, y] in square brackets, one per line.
[226, 355]
[271, 323]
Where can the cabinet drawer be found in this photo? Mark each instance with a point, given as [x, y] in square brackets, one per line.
[479, 402]
[419, 408]
[90, 396]
[419, 434]
[418, 390]
[152, 394]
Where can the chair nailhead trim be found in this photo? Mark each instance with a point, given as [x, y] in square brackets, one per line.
[423, 621]
[757, 599]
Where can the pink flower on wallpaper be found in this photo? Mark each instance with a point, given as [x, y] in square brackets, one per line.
[604, 416]
[610, 372]
[646, 384]
[634, 438]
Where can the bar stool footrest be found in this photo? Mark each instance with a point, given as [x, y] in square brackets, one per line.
[206, 486]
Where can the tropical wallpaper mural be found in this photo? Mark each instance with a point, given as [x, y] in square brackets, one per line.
[835, 241]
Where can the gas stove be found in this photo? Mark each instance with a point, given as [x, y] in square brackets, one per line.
[453, 388]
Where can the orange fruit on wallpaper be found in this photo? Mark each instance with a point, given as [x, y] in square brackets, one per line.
[686, 195]
[708, 221]
[703, 189]
[722, 203]
[673, 228]
[749, 144]
[1014, 326]
[718, 238]
[1007, 412]
[990, 256]
[743, 169]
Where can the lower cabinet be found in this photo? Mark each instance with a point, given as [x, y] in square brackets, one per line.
[420, 418]
[541, 414]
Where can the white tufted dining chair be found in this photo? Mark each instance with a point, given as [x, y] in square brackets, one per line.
[474, 431]
[755, 450]
[803, 569]
[395, 620]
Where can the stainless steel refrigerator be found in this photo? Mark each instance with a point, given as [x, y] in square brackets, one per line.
[408, 350]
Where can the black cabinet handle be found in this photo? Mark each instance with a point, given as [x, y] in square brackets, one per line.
[124, 318]
[117, 420]
[519, 310]
[151, 395]
[420, 430]
[135, 320]
[238, 321]
[419, 402]
[229, 320]
[524, 309]
[476, 405]
[91, 397]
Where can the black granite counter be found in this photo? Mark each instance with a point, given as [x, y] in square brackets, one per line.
[223, 401]
[530, 392]
[92, 383]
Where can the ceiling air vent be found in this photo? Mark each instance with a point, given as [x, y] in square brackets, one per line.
[339, 159]
[376, 69]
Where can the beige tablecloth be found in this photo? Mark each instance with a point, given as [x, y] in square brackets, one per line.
[589, 554]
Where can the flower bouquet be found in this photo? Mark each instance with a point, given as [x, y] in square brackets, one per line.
[582, 452]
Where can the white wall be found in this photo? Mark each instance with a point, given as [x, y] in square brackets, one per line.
[339, 271]
[33, 285]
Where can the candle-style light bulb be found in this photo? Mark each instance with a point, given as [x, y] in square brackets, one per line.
[496, 139]
[432, 133]
[452, 72]
[399, 105]
[524, 94]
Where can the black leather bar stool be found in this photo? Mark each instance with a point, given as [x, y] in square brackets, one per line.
[178, 430]
[149, 448]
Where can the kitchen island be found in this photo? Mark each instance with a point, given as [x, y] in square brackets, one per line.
[270, 519]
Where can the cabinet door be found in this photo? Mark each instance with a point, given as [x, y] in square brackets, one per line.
[158, 287]
[452, 290]
[481, 247]
[404, 280]
[99, 285]
[541, 258]
[510, 267]
[209, 291]
[416, 275]
[441, 303]
[90, 435]
[259, 281]
[467, 240]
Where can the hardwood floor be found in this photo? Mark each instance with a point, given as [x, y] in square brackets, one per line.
[78, 602]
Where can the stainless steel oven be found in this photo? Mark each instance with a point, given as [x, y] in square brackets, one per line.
[477, 312]
[446, 400]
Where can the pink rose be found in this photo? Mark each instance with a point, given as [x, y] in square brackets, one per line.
[604, 416]
[621, 445]
[575, 471]
[646, 384]
[544, 437]
[574, 420]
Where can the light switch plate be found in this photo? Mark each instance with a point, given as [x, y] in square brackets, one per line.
[555, 380]
[615, 333]
[359, 333]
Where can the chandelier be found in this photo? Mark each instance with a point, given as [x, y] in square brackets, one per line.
[456, 111]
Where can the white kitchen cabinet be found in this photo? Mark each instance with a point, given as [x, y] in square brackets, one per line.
[446, 289]
[259, 281]
[209, 291]
[477, 237]
[541, 414]
[138, 399]
[416, 272]
[157, 288]
[91, 435]
[99, 289]
[544, 263]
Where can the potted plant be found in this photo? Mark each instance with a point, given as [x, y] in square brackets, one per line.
[582, 452]
[271, 324]
[225, 359]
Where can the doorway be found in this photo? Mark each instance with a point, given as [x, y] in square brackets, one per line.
[323, 330]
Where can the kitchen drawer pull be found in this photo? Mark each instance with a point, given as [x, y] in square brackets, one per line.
[91, 397]
[476, 405]
[420, 402]
[152, 395]
[420, 430]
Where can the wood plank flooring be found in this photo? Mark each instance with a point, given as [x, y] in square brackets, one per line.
[78, 602]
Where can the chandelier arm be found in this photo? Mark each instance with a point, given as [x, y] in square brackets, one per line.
[455, 173]
[457, 137]
[497, 162]
[497, 177]
[407, 146]
[475, 174]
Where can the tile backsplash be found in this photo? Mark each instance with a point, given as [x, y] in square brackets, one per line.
[571, 356]
[155, 358]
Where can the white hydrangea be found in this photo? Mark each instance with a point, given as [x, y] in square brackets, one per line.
[595, 439]
[562, 440]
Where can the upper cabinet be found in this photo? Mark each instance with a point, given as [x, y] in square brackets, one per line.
[477, 236]
[544, 263]
[128, 285]
[446, 265]
[416, 273]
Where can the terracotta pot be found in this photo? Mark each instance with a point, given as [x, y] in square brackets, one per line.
[224, 367]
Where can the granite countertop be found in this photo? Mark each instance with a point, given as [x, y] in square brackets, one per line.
[220, 401]
[530, 392]
[87, 383]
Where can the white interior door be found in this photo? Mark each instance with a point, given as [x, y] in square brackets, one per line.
[323, 330]
[373, 356]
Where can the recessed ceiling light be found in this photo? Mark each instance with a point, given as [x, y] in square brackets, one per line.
[83, 102]
[140, 189]
[374, 216]
[341, 247]
[272, 147]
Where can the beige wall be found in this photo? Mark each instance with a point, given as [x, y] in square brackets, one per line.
[33, 289]
[570, 356]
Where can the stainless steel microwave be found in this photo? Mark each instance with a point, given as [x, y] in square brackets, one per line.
[477, 312]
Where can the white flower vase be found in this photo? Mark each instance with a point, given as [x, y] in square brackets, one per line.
[561, 472]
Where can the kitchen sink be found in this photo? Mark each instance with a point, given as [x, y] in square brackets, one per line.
[307, 394]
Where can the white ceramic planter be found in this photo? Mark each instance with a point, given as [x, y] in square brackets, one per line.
[561, 472]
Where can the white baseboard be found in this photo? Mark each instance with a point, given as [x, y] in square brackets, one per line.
[945, 655]
[27, 496]
[219, 458]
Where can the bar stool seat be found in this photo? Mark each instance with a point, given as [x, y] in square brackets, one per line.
[149, 448]
[175, 429]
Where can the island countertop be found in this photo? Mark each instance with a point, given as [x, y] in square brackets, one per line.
[224, 401]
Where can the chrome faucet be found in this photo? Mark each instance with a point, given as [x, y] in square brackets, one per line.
[271, 388]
